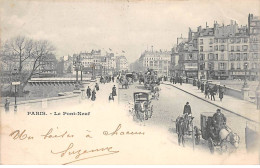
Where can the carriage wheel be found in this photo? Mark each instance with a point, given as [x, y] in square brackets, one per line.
[211, 145]
[224, 146]
[197, 135]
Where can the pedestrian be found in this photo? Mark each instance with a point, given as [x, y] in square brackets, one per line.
[198, 84]
[219, 121]
[219, 88]
[187, 109]
[180, 80]
[212, 94]
[173, 80]
[93, 96]
[7, 104]
[221, 94]
[194, 82]
[113, 79]
[97, 87]
[187, 80]
[88, 92]
[114, 91]
[215, 88]
[202, 87]
[224, 90]
[110, 97]
[207, 92]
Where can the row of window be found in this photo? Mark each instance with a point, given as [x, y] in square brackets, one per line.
[233, 66]
[231, 40]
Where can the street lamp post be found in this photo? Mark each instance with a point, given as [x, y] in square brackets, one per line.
[81, 72]
[15, 83]
[245, 81]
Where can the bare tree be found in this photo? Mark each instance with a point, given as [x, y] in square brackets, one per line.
[27, 56]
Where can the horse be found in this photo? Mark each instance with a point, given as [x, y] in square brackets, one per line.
[124, 83]
[180, 130]
[227, 138]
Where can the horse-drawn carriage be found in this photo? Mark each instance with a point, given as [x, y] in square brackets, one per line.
[184, 127]
[142, 106]
[124, 82]
[224, 139]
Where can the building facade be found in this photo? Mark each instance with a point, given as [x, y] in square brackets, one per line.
[121, 63]
[159, 61]
[224, 51]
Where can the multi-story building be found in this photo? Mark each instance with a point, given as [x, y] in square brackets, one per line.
[68, 64]
[254, 44]
[121, 63]
[188, 60]
[111, 63]
[223, 51]
[97, 63]
[206, 51]
[47, 66]
[238, 48]
[159, 61]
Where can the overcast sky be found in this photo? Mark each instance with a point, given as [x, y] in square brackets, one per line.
[120, 25]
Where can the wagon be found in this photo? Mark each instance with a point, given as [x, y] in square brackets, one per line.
[184, 128]
[142, 106]
[224, 140]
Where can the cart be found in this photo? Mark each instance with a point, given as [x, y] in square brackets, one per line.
[225, 140]
[143, 108]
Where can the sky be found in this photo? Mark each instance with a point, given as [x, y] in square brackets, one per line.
[131, 26]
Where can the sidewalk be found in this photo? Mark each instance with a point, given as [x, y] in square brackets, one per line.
[238, 107]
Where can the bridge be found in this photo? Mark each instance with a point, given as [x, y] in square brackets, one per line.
[57, 81]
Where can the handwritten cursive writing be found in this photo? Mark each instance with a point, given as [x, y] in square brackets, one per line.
[117, 132]
[17, 134]
[62, 135]
[79, 152]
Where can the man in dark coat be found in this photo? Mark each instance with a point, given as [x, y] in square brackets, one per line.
[198, 84]
[88, 92]
[187, 109]
[202, 87]
[180, 80]
[97, 87]
[221, 94]
[113, 79]
[114, 90]
[212, 94]
[207, 92]
[219, 121]
[93, 96]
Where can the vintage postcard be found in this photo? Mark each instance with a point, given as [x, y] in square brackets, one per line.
[130, 82]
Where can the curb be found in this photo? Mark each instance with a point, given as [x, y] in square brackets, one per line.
[213, 103]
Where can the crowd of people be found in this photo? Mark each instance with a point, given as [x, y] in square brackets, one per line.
[206, 88]
[210, 92]
[91, 93]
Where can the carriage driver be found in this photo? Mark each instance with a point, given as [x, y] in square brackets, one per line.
[219, 121]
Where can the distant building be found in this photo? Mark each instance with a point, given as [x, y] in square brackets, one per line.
[47, 66]
[121, 63]
[159, 61]
[98, 63]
